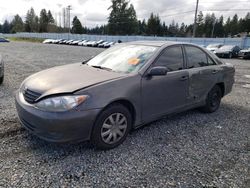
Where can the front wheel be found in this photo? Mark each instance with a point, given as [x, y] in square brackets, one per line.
[213, 100]
[111, 127]
[230, 55]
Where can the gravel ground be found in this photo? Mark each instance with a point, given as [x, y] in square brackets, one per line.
[190, 149]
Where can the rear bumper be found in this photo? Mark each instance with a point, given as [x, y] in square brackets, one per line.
[56, 127]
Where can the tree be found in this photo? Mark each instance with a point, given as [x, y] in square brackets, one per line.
[142, 27]
[43, 21]
[51, 20]
[6, 28]
[31, 22]
[77, 26]
[122, 19]
[154, 25]
[17, 24]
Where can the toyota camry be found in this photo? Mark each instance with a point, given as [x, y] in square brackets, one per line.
[122, 88]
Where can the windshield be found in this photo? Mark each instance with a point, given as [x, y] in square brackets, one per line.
[226, 47]
[123, 58]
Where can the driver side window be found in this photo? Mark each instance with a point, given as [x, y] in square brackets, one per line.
[171, 58]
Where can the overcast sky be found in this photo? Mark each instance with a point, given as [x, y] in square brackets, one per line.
[95, 12]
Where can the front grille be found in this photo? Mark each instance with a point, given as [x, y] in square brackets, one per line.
[31, 96]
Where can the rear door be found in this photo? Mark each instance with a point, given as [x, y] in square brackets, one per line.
[166, 93]
[203, 73]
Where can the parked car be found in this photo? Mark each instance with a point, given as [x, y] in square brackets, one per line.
[96, 43]
[90, 43]
[245, 54]
[82, 42]
[122, 88]
[68, 41]
[4, 40]
[213, 47]
[48, 41]
[75, 42]
[1, 70]
[102, 44]
[57, 41]
[228, 51]
[109, 45]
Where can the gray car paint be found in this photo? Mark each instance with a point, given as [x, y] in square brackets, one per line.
[150, 98]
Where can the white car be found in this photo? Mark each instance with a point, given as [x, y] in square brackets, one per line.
[102, 44]
[48, 41]
[213, 47]
[109, 44]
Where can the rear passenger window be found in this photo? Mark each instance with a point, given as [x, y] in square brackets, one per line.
[172, 59]
[196, 57]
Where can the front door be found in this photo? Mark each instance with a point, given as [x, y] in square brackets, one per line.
[165, 94]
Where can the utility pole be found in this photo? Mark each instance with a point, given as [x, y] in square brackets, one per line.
[69, 8]
[195, 18]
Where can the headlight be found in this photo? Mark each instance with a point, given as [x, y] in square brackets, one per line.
[61, 104]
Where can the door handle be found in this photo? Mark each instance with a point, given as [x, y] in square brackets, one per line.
[214, 71]
[183, 78]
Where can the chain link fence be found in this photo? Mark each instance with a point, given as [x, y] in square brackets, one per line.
[242, 42]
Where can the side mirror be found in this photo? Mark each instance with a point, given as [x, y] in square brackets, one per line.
[86, 61]
[158, 71]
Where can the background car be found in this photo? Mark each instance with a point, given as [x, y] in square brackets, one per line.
[108, 45]
[1, 70]
[122, 88]
[213, 47]
[4, 40]
[228, 51]
[245, 53]
[48, 41]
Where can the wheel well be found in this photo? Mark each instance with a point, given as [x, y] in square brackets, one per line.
[128, 105]
[222, 87]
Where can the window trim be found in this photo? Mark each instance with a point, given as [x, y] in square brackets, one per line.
[163, 50]
[207, 56]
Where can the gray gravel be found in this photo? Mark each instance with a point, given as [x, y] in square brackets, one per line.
[190, 149]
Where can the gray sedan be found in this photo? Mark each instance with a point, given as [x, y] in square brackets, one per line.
[122, 88]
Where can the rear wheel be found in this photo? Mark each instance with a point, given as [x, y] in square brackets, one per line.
[230, 55]
[213, 100]
[111, 127]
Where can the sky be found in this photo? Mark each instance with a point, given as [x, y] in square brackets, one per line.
[95, 12]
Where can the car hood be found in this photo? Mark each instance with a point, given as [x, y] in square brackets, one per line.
[67, 79]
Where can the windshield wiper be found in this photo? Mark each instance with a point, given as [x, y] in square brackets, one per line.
[101, 67]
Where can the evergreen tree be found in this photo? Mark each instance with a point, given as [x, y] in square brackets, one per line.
[6, 28]
[154, 25]
[31, 22]
[17, 24]
[77, 26]
[122, 19]
[43, 21]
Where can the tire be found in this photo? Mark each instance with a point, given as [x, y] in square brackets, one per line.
[230, 55]
[1, 80]
[104, 131]
[213, 100]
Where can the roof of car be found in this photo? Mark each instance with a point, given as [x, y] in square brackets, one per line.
[156, 43]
